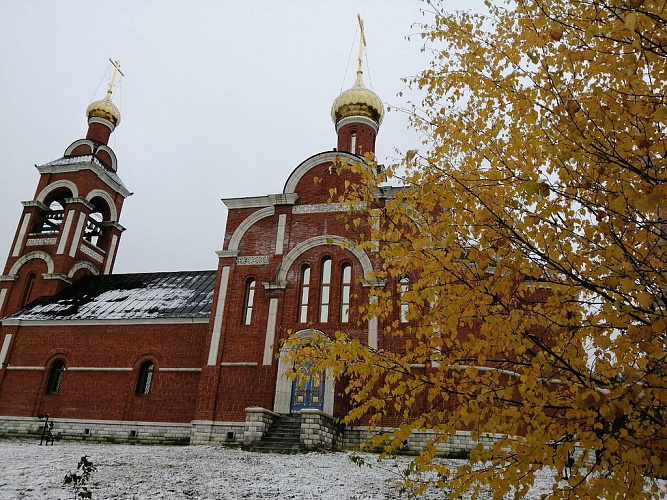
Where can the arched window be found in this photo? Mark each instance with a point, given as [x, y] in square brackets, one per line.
[145, 379]
[325, 290]
[27, 289]
[55, 377]
[249, 301]
[345, 283]
[404, 284]
[353, 143]
[303, 295]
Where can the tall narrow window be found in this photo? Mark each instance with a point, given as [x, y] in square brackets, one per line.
[353, 143]
[55, 377]
[249, 301]
[325, 294]
[303, 297]
[145, 379]
[346, 280]
[403, 308]
[27, 289]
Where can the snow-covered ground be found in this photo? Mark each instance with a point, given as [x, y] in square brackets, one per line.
[30, 471]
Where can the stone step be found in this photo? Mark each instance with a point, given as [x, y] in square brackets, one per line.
[284, 436]
[277, 439]
[283, 427]
[284, 432]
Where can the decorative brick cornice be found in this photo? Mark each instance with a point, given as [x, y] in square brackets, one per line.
[86, 162]
[57, 276]
[35, 203]
[113, 225]
[81, 201]
[222, 254]
[261, 201]
[380, 282]
[274, 285]
[387, 192]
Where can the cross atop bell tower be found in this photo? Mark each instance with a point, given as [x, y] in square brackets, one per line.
[360, 56]
[112, 81]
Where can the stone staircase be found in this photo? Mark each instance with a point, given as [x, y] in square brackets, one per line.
[284, 436]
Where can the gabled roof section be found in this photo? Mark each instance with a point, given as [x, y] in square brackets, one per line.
[182, 294]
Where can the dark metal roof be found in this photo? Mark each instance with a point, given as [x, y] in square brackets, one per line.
[182, 294]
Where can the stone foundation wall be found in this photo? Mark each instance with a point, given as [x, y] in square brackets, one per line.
[207, 432]
[457, 446]
[104, 431]
[320, 431]
[114, 431]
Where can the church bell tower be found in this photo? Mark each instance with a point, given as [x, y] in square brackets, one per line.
[70, 228]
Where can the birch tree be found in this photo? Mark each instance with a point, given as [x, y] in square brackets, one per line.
[526, 251]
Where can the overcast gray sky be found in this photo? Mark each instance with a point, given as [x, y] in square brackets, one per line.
[220, 99]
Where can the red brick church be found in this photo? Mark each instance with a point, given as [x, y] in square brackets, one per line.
[180, 357]
[191, 356]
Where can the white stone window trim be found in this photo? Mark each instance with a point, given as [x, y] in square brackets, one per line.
[318, 159]
[56, 185]
[247, 223]
[324, 240]
[100, 193]
[37, 254]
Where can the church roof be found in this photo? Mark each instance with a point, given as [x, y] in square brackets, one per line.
[82, 159]
[182, 294]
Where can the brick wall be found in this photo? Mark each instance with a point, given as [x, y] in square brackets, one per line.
[102, 364]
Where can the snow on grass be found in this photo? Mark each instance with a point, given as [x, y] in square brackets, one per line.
[30, 471]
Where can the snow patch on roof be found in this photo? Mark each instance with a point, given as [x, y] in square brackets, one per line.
[183, 294]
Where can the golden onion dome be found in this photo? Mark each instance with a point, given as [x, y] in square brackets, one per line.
[358, 101]
[104, 109]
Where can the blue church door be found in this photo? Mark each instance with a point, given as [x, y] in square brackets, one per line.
[308, 393]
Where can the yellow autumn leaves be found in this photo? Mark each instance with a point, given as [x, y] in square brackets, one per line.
[532, 227]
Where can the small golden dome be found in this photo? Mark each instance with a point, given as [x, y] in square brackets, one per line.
[358, 101]
[104, 109]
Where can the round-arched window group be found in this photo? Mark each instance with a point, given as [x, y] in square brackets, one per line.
[334, 293]
[330, 277]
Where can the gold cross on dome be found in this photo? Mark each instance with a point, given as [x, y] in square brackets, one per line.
[362, 42]
[112, 82]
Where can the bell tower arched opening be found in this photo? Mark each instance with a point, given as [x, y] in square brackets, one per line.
[50, 220]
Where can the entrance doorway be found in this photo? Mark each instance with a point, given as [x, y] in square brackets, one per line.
[307, 392]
